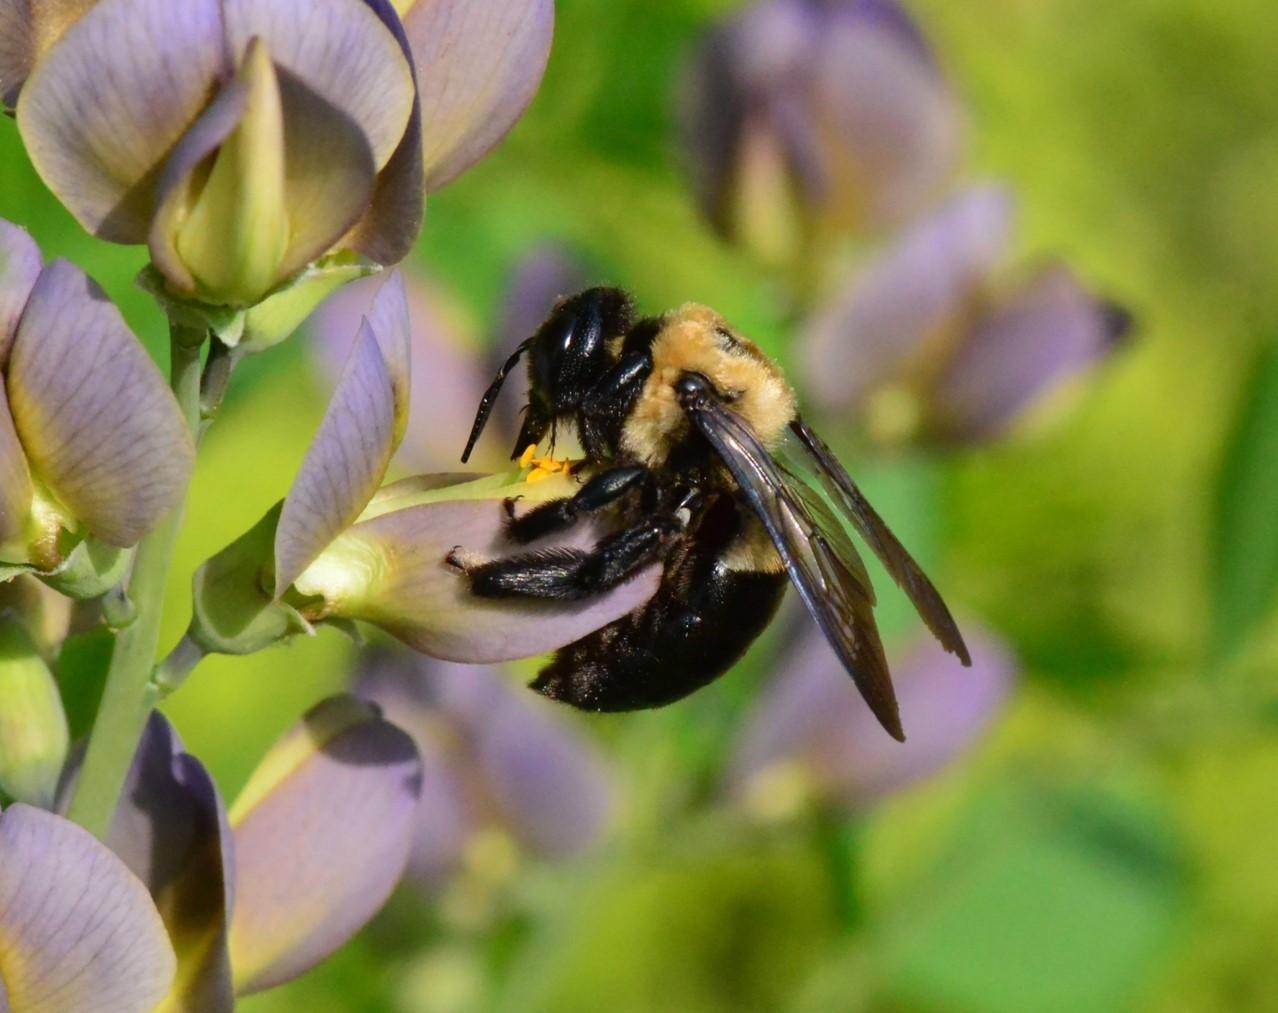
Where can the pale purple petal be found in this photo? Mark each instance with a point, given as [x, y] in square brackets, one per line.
[1046, 332]
[94, 414]
[170, 829]
[102, 110]
[19, 269]
[811, 719]
[321, 838]
[425, 602]
[390, 226]
[550, 784]
[479, 65]
[77, 929]
[16, 490]
[361, 429]
[27, 29]
[893, 308]
[342, 51]
[888, 121]
[447, 813]
[444, 362]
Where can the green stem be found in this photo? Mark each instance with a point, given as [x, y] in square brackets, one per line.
[126, 702]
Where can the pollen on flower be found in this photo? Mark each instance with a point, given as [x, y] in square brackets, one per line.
[542, 467]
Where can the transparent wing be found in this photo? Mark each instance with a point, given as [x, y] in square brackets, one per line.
[819, 558]
[869, 525]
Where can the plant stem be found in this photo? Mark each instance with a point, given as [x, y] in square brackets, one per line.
[126, 703]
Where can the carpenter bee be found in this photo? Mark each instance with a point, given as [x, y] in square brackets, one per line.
[694, 446]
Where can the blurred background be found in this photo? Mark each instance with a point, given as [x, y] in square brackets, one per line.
[1086, 819]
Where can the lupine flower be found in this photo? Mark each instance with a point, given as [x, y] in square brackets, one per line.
[810, 118]
[345, 549]
[808, 740]
[93, 447]
[448, 357]
[498, 764]
[258, 144]
[308, 854]
[922, 342]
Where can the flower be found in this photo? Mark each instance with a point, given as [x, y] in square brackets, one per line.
[808, 739]
[341, 547]
[93, 448]
[245, 140]
[808, 119]
[499, 765]
[921, 343]
[206, 906]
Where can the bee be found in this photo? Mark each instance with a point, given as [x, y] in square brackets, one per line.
[694, 446]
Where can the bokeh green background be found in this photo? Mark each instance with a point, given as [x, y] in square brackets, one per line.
[1111, 844]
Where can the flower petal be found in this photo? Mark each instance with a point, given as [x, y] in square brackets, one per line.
[98, 422]
[170, 830]
[390, 226]
[437, 425]
[19, 269]
[102, 110]
[16, 489]
[362, 426]
[552, 787]
[27, 29]
[479, 66]
[342, 52]
[1046, 332]
[889, 124]
[895, 305]
[322, 832]
[424, 602]
[810, 721]
[77, 929]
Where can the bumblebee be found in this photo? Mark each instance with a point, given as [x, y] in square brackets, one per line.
[694, 448]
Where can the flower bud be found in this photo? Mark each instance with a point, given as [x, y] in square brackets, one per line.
[33, 726]
[806, 120]
[925, 343]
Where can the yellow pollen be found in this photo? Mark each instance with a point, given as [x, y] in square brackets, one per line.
[542, 467]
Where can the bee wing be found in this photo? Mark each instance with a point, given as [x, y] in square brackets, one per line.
[869, 525]
[819, 558]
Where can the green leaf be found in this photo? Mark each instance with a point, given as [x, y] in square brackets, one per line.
[1245, 550]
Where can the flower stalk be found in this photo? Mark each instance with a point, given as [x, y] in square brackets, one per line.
[126, 700]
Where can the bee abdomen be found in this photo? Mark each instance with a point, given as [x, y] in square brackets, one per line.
[684, 638]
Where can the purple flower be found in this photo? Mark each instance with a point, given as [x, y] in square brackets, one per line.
[809, 739]
[93, 449]
[206, 906]
[805, 119]
[922, 343]
[243, 140]
[497, 761]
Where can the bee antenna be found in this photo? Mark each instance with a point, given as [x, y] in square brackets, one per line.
[490, 398]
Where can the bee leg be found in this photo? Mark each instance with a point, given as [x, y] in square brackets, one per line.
[557, 514]
[605, 405]
[573, 574]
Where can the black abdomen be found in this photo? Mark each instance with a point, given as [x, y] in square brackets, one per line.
[697, 625]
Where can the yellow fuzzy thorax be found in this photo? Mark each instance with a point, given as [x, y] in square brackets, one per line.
[695, 338]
